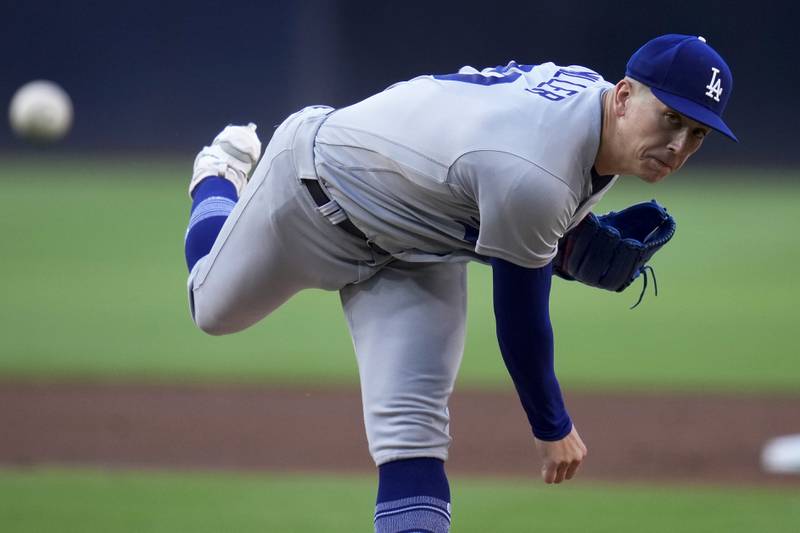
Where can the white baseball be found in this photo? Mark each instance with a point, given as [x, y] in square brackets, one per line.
[40, 111]
[781, 455]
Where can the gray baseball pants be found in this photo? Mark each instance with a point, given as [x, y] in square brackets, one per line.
[407, 320]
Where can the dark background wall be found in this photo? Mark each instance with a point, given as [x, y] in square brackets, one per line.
[166, 76]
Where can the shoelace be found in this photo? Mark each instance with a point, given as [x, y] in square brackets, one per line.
[644, 286]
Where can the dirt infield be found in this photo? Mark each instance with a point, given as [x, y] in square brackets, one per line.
[637, 437]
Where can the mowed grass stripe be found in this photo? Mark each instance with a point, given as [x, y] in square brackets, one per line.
[84, 501]
[93, 285]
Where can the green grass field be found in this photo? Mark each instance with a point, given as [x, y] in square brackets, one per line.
[93, 285]
[92, 282]
[86, 501]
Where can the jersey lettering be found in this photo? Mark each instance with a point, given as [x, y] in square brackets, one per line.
[580, 74]
[499, 74]
[546, 94]
[563, 84]
[558, 88]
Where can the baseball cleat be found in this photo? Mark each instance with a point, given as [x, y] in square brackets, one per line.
[232, 155]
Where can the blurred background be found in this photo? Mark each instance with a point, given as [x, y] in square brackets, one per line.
[116, 414]
[164, 76]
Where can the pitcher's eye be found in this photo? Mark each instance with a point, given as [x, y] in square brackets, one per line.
[673, 118]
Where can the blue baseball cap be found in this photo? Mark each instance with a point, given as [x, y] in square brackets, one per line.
[686, 74]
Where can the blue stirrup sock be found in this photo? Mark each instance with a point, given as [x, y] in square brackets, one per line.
[212, 201]
[413, 496]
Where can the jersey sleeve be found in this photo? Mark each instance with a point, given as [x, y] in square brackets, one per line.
[524, 210]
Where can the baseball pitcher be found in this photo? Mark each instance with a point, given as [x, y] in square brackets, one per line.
[387, 200]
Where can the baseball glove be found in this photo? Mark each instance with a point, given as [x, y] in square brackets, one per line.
[610, 251]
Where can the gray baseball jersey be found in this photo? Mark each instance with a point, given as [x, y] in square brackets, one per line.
[438, 170]
[492, 163]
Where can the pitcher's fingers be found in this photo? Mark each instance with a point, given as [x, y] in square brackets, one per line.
[561, 472]
[549, 472]
[573, 468]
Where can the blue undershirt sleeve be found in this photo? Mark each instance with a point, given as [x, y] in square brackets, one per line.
[525, 336]
[212, 201]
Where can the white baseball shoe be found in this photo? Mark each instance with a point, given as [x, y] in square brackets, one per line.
[232, 155]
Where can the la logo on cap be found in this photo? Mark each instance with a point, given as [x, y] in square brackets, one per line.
[715, 85]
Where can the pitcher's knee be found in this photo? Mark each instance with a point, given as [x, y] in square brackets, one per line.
[213, 318]
[211, 324]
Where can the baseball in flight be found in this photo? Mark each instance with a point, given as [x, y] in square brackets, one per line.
[40, 111]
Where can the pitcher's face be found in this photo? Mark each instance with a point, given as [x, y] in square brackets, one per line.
[658, 139]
